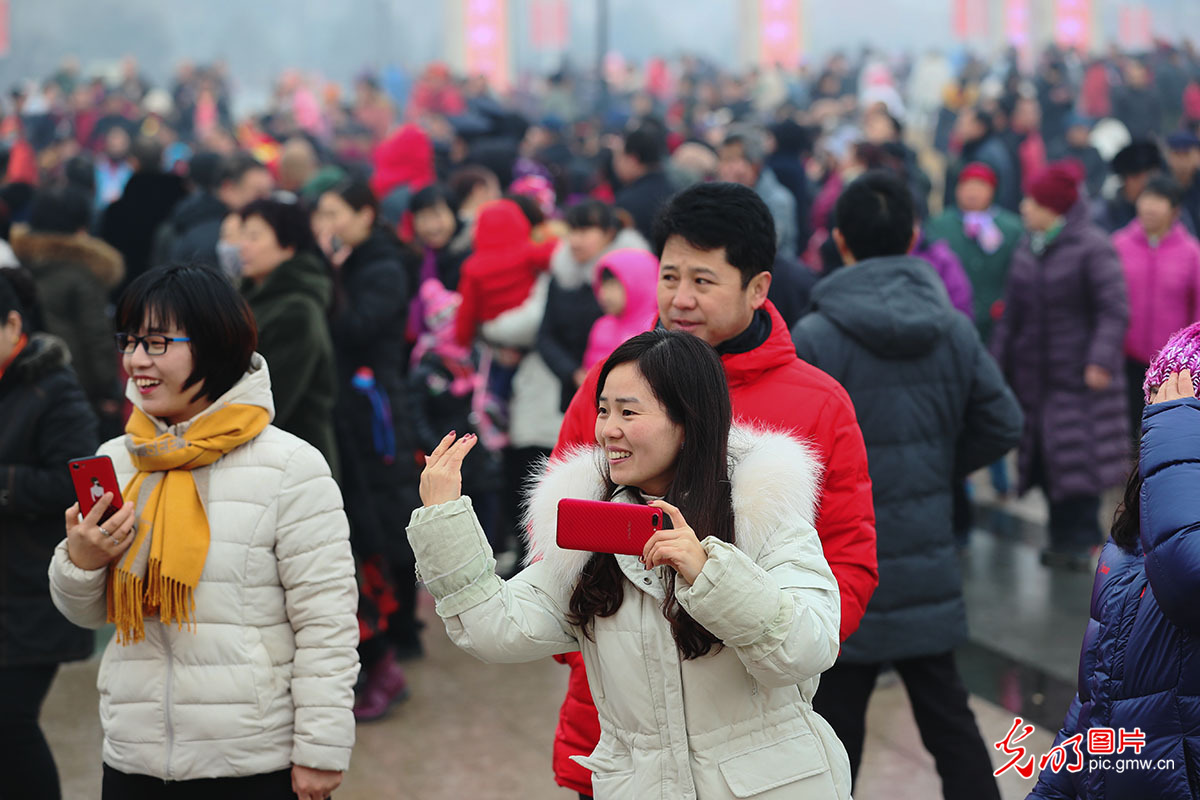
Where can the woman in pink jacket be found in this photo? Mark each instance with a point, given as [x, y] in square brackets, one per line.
[1162, 272]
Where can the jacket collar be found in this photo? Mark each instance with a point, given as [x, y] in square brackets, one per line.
[254, 389]
[774, 478]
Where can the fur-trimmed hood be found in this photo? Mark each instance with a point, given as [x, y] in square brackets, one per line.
[44, 353]
[775, 480]
[36, 250]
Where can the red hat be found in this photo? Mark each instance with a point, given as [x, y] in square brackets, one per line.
[1056, 187]
[978, 171]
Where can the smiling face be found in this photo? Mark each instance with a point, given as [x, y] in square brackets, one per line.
[639, 439]
[701, 293]
[160, 379]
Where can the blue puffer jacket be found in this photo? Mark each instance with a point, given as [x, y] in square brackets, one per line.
[1140, 666]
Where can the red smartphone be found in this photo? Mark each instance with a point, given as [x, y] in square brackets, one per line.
[92, 478]
[602, 527]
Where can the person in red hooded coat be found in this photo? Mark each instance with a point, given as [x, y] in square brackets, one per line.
[716, 245]
[499, 275]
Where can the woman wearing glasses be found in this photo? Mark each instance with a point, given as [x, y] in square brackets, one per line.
[227, 571]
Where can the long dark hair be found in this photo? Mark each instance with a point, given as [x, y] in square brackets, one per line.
[1127, 525]
[686, 377]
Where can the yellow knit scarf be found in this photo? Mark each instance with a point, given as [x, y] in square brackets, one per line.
[161, 578]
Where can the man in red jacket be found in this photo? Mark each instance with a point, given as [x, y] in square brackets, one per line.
[716, 244]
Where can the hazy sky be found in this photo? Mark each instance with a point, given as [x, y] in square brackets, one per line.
[340, 37]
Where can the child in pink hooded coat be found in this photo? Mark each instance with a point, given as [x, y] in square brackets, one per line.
[626, 286]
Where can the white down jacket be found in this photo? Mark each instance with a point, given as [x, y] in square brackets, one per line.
[266, 680]
[735, 723]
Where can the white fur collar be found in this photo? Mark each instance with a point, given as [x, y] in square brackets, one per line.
[775, 481]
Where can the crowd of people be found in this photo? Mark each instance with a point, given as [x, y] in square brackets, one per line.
[911, 266]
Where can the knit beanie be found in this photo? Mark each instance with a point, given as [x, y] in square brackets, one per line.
[1181, 352]
[1056, 187]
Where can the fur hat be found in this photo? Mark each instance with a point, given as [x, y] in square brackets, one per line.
[1182, 351]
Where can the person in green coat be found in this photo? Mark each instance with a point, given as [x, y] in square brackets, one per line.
[289, 289]
[983, 236]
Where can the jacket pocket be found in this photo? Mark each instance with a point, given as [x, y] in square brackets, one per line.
[760, 769]
[613, 786]
[263, 672]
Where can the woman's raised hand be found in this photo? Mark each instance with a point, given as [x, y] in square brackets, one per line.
[92, 544]
[678, 548]
[441, 480]
[1177, 386]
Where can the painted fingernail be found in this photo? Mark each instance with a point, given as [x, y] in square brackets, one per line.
[453, 433]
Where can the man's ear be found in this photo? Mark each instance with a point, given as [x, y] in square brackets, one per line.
[759, 288]
[916, 237]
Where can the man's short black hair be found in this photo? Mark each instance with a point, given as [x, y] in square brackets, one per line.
[646, 144]
[875, 216]
[209, 311]
[148, 153]
[237, 165]
[711, 216]
[1167, 188]
[64, 210]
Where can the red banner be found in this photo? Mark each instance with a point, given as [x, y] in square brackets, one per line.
[1018, 30]
[779, 33]
[486, 30]
[5, 28]
[550, 24]
[1135, 29]
[970, 20]
[1073, 24]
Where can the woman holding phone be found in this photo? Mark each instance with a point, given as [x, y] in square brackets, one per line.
[704, 651]
[227, 570]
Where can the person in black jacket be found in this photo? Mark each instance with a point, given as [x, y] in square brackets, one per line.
[933, 407]
[976, 129]
[371, 421]
[148, 200]
[45, 420]
[638, 165]
[191, 233]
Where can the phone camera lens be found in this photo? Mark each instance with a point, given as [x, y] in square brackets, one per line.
[654, 519]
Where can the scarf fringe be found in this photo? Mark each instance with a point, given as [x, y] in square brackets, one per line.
[128, 603]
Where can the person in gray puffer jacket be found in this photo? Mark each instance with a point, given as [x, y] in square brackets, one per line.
[933, 406]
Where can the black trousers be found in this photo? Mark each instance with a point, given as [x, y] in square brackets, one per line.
[939, 702]
[24, 755]
[268, 786]
[1075, 523]
[520, 464]
[1135, 376]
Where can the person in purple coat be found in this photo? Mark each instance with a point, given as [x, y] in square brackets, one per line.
[1060, 343]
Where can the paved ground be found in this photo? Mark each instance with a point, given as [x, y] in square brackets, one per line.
[483, 732]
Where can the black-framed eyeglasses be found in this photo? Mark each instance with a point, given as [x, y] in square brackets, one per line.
[155, 344]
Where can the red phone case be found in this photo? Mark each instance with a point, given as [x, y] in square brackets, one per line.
[92, 478]
[601, 527]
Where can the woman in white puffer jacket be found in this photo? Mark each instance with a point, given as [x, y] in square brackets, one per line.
[704, 652]
[227, 570]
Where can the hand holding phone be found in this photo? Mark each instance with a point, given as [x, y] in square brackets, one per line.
[93, 478]
[102, 533]
[601, 527]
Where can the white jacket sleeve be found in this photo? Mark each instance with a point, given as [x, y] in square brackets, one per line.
[496, 621]
[316, 569]
[81, 595]
[780, 615]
